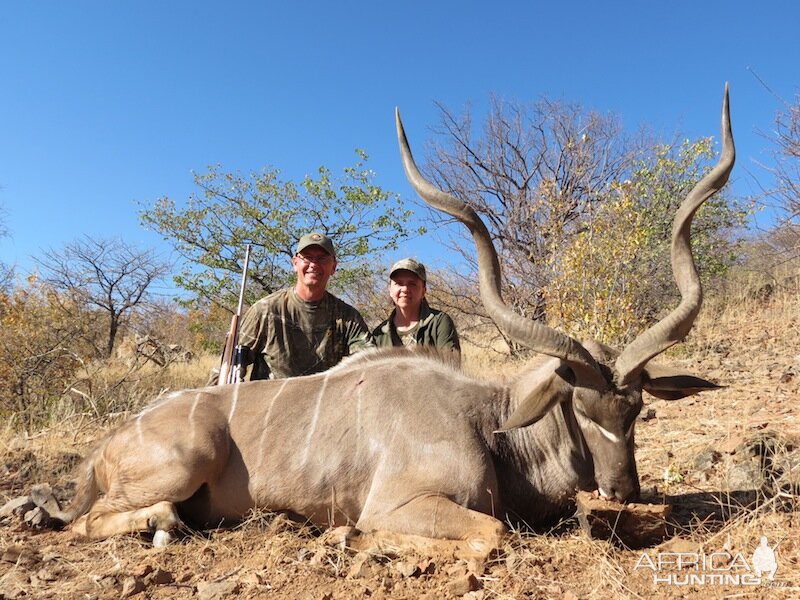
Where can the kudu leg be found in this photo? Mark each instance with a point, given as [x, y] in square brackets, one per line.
[103, 521]
[432, 525]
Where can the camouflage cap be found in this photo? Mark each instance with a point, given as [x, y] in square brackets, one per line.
[409, 264]
[316, 239]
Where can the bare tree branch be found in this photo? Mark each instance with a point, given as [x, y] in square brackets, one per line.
[105, 275]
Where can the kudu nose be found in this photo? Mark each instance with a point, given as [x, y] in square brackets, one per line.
[624, 491]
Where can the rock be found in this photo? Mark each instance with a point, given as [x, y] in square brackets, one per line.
[159, 577]
[319, 557]
[406, 569]
[42, 496]
[732, 444]
[463, 585]
[458, 569]
[648, 415]
[37, 518]
[218, 590]
[787, 472]
[360, 566]
[764, 445]
[256, 578]
[17, 507]
[142, 570]
[427, 567]
[633, 525]
[185, 577]
[706, 459]
[745, 476]
[132, 586]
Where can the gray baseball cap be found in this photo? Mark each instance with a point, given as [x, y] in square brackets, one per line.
[316, 239]
[409, 264]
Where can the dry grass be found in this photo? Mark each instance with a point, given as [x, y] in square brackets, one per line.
[751, 347]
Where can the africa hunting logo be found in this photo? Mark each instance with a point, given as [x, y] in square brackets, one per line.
[716, 568]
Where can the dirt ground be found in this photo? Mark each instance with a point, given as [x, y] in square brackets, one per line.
[727, 461]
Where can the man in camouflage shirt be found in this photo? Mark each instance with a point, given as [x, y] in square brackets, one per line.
[305, 329]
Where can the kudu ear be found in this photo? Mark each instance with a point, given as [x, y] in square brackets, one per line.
[668, 383]
[537, 393]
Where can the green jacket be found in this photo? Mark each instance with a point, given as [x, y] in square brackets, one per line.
[288, 337]
[435, 328]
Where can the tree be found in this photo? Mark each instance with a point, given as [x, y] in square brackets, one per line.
[787, 160]
[41, 350]
[232, 210]
[106, 275]
[6, 271]
[551, 180]
[782, 244]
[616, 275]
[533, 175]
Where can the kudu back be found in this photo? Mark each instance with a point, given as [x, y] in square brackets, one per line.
[398, 450]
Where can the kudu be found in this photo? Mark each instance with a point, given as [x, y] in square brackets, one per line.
[396, 449]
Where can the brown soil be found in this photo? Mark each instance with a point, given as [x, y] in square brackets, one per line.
[755, 351]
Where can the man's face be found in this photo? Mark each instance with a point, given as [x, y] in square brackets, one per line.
[314, 267]
[406, 289]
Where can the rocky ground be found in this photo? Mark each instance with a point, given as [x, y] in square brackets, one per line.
[728, 463]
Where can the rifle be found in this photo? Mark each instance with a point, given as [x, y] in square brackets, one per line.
[231, 362]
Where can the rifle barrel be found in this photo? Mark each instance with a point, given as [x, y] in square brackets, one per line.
[244, 279]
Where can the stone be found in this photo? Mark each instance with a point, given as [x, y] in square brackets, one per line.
[787, 470]
[745, 476]
[706, 459]
[37, 518]
[463, 585]
[132, 586]
[217, 590]
[647, 415]
[360, 567]
[17, 507]
[406, 569]
[42, 495]
[159, 577]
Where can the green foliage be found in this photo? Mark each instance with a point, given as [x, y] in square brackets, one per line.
[232, 210]
[615, 277]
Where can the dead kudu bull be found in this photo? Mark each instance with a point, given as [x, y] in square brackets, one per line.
[397, 451]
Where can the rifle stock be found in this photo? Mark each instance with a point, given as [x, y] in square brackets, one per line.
[231, 362]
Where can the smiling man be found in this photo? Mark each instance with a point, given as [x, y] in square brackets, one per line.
[305, 329]
[413, 322]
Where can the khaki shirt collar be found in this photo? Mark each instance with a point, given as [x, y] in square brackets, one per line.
[425, 316]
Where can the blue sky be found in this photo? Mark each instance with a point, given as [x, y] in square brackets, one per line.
[103, 104]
